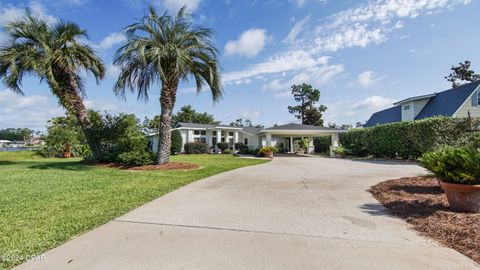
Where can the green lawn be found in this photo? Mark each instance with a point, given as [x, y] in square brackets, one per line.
[45, 202]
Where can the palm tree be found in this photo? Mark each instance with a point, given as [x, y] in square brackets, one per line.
[167, 50]
[52, 52]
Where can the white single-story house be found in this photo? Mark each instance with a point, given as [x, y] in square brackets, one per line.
[5, 143]
[459, 102]
[285, 137]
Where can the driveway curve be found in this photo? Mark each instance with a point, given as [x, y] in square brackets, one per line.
[291, 213]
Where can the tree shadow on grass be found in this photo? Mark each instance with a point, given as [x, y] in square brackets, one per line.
[70, 166]
[9, 162]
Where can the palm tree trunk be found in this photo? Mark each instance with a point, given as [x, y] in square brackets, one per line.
[167, 101]
[74, 103]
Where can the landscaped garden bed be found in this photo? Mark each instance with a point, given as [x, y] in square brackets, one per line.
[421, 202]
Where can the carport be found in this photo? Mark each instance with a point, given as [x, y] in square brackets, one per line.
[289, 133]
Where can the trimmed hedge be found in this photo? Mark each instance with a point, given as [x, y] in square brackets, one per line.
[223, 146]
[407, 140]
[176, 145]
[322, 144]
[196, 148]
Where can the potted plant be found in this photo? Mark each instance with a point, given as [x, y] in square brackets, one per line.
[267, 151]
[458, 171]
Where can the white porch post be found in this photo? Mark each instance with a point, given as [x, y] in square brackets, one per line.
[235, 137]
[219, 139]
[268, 138]
[291, 144]
[189, 136]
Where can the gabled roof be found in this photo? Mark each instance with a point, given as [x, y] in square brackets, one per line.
[390, 115]
[415, 98]
[446, 103]
[251, 130]
[294, 126]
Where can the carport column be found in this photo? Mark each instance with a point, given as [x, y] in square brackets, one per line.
[334, 143]
[268, 138]
[311, 147]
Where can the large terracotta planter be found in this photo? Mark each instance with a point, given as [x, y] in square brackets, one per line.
[66, 154]
[462, 198]
[268, 154]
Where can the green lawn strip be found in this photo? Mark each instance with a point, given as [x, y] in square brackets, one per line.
[46, 202]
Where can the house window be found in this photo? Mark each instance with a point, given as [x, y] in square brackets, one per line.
[196, 132]
[214, 141]
[478, 97]
[203, 132]
[245, 141]
[406, 107]
[223, 139]
[230, 141]
[230, 133]
[203, 140]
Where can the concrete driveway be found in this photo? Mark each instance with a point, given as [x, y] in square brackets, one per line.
[291, 213]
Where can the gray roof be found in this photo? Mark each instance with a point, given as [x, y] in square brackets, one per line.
[444, 103]
[195, 125]
[251, 130]
[293, 126]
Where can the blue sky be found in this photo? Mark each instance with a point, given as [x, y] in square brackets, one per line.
[361, 55]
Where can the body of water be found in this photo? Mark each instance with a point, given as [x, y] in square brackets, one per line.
[12, 149]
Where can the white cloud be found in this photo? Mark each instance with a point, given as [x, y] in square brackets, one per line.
[250, 43]
[371, 23]
[10, 13]
[251, 114]
[367, 78]
[27, 111]
[357, 35]
[373, 103]
[288, 61]
[101, 105]
[174, 5]
[112, 71]
[301, 3]
[296, 29]
[110, 40]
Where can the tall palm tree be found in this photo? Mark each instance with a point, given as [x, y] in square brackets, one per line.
[52, 52]
[167, 50]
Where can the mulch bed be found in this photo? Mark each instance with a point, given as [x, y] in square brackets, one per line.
[164, 167]
[421, 202]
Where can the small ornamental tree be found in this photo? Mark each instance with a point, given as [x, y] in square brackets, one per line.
[177, 142]
[223, 146]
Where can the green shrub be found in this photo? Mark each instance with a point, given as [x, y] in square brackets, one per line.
[459, 165]
[267, 149]
[242, 148]
[407, 140]
[135, 158]
[227, 151]
[342, 151]
[223, 146]
[177, 142]
[195, 148]
[322, 144]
